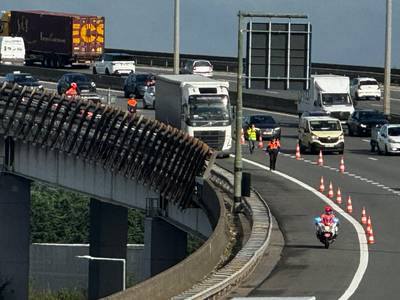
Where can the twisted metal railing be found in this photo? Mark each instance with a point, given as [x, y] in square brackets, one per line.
[158, 156]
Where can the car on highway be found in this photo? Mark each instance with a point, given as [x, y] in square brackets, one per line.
[362, 120]
[22, 79]
[199, 67]
[266, 126]
[114, 64]
[365, 88]
[85, 85]
[321, 133]
[137, 84]
[149, 98]
[386, 139]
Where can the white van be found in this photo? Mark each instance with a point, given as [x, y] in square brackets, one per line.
[330, 94]
[321, 133]
[12, 50]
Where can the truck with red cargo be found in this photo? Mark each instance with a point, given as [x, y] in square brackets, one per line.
[56, 39]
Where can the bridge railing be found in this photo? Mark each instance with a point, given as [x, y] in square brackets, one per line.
[229, 64]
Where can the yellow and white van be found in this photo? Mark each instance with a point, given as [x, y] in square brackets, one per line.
[321, 133]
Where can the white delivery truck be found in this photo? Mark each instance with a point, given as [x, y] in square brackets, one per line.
[197, 105]
[12, 50]
[330, 94]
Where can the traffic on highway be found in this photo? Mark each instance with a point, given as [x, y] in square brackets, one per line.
[329, 173]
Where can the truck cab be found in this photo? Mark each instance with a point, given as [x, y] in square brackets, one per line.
[328, 93]
[197, 105]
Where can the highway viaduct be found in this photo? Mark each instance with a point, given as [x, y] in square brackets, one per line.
[120, 160]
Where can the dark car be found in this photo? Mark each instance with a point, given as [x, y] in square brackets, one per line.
[137, 84]
[85, 85]
[22, 79]
[361, 121]
[265, 125]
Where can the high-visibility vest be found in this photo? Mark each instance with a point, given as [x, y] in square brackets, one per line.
[274, 145]
[252, 133]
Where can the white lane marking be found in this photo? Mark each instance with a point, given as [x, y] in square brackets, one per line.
[364, 140]
[363, 263]
[372, 158]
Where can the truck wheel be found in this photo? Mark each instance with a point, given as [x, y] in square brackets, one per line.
[94, 71]
[107, 72]
[386, 150]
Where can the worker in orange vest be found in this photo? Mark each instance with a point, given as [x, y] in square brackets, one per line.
[132, 105]
[273, 149]
[72, 91]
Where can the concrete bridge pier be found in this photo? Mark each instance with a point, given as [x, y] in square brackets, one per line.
[108, 239]
[14, 236]
[164, 246]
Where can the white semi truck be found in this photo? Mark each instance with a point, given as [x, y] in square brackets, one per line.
[330, 94]
[197, 105]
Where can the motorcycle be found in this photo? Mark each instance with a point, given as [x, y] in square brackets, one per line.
[326, 232]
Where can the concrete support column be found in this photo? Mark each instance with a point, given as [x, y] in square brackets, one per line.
[108, 239]
[164, 246]
[14, 236]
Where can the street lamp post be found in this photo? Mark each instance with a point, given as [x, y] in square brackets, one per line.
[388, 54]
[123, 260]
[238, 167]
[176, 39]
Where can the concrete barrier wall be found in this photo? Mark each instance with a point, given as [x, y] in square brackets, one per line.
[191, 270]
[55, 266]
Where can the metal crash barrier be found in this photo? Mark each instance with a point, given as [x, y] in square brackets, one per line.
[158, 156]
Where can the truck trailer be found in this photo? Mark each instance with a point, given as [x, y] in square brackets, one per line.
[197, 105]
[56, 39]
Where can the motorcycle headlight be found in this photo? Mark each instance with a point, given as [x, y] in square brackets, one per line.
[363, 126]
[92, 84]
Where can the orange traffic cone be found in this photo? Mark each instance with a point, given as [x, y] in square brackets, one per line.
[297, 151]
[320, 159]
[338, 196]
[363, 216]
[260, 142]
[369, 225]
[349, 205]
[242, 142]
[371, 239]
[341, 166]
[321, 185]
[330, 190]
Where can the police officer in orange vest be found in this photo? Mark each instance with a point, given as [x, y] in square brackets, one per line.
[273, 149]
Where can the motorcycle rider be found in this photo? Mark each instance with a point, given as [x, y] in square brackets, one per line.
[327, 218]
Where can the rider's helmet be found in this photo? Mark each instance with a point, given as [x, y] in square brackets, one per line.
[74, 85]
[328, 210]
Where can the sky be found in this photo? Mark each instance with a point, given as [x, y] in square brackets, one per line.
[344, 31]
